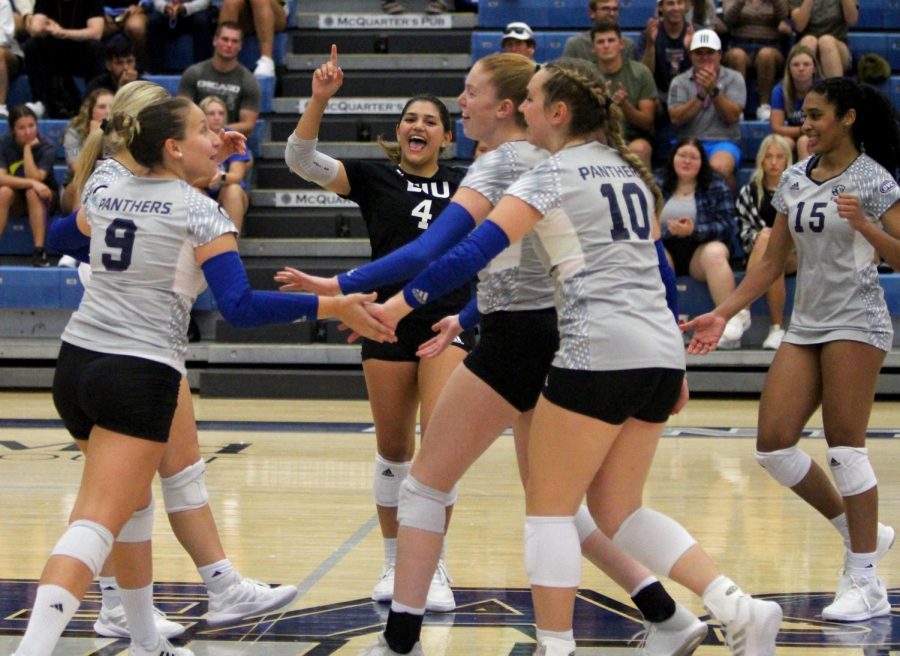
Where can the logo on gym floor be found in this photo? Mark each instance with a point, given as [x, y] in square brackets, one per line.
[600, 622]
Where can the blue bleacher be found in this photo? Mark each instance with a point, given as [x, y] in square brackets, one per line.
[548, 45]
[537, 13]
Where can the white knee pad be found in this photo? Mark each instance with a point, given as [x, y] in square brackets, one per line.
[585, 524]
[851, 469]
[186, 490]
[653, 539]
[451, 498]
[387, 480]
[422, 507]
[552, 552]
[86, 541]
[140, 527]
[787, 466]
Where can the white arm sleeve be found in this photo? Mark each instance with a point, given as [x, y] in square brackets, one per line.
[303, 159]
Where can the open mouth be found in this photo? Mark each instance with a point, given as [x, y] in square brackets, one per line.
[417, 144]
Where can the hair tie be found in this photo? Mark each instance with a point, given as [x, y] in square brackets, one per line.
[104, 126]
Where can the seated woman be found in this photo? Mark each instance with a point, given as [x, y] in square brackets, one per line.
[697, 224]
[800, 74]
[229, 185]
[94, 108]
[27, 184]
[822, 26]
[756, 216]
[756, 44]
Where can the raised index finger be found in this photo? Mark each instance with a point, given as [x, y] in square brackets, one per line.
[334, 54]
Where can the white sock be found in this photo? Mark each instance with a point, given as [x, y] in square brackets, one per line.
[720, 598]
[397, 607]
[53, 607]
[138, 605]
[862, 564]
[219, 576]
[840, 524]
[390, 550]
[109, 592]
[566, 636]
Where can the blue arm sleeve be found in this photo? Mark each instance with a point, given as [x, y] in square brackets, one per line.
[668, 278]
[470, 317]
[65, 237]
[456, 267]
[452, 224]
[243, 307]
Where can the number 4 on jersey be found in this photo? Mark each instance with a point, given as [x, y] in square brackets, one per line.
[422, 211]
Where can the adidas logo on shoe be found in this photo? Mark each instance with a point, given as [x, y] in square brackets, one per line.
[834, 463]
[731, 590]
[58, 607]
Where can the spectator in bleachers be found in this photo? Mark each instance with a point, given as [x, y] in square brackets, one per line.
[757, 216]
[65, 41]
[664, 45]
[121, 67]
[10, 53]
[127, 18]
[225, 77]
[580, 46]
[170, 19]
[631, 87]
[27, 185]
[755, 44]
[433, 7]
[706, 102]
[801, 72]
[518, 38]
[262, 17]
[822, 26]
[697, 223]
[229, 185]
[94, 108]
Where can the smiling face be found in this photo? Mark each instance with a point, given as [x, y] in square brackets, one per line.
[421, 135]
[196, 151]
[478, 104]
[825, 129]
[539, 130]
[672, 11]
[687, 163]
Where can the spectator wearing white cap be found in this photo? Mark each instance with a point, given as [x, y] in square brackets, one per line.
[518, 38]
[706, 102]
[580, 45]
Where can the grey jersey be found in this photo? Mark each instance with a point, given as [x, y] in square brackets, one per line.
[838, 295]
[596, 232]
[517, 278]
[145, 278]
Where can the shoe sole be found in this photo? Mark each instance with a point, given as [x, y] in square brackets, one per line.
[437, 607]
[230, 618]
[107, 632]
[383, 598]
[693, 641]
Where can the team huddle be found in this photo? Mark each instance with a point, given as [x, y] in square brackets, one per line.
[579, 349]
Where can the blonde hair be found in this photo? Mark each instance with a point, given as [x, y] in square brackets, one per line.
[82, 121]
[580, 86]
[129, 100]
[209, 100]
[758, 174]
[510, 74]
[790, 91]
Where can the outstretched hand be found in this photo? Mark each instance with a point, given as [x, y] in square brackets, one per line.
[294, 280]
[708, 329]
[353, 312]
[328, 78]
[233, 143]
[447, 330]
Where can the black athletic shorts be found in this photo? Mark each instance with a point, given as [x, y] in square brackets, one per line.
[514, 354]
[682, 250]
[121, 393]
[614, 396]
[412, 332]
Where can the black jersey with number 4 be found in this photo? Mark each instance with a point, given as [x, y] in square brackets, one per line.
[397, 207]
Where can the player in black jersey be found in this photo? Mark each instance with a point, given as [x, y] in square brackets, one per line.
[399, 199]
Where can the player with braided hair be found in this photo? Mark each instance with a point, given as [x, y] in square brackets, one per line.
[619, 369]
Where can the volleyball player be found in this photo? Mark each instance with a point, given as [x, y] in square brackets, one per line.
[399, 200]
[122, 357]
[839, 209]
[615, 379]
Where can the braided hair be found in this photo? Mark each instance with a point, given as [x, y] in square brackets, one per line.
[580, 86]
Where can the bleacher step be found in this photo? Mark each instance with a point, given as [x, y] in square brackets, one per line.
[376, 84]
[341, 150]
[328, 19]
[305, 248]
[377, 62]
[380, 41]
[272, 223]
[359, 104]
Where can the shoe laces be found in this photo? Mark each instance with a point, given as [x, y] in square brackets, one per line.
[387, 571]
[441, 575]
